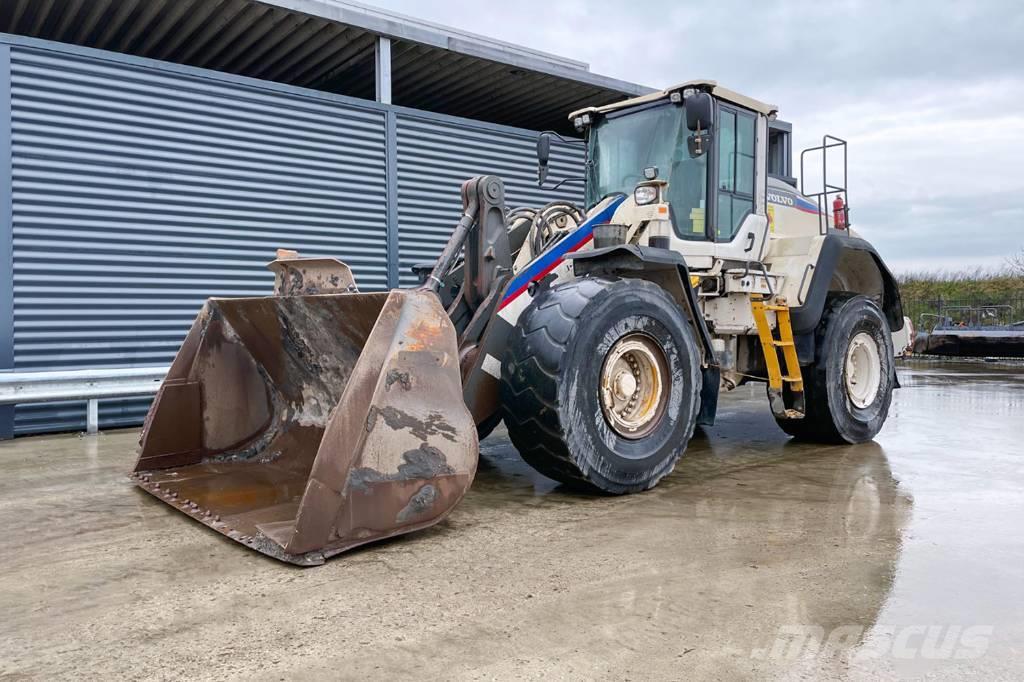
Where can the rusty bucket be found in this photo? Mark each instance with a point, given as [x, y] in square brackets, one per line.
[303, 425]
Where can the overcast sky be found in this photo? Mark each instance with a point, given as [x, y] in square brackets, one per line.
[930, 95]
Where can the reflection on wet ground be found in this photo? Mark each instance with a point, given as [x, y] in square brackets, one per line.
[756, 557]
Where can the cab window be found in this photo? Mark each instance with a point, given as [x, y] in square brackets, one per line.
[622, 145]
[735, 171]
[688, 191]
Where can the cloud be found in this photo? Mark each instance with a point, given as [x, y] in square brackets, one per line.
[930, 95]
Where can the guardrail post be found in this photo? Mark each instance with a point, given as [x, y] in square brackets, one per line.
[92, 417]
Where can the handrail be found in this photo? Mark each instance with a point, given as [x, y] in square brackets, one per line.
[90, 385]
[827, 189]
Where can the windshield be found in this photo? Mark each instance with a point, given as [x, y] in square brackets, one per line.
[621, 147]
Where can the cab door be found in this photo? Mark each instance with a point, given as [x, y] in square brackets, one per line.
[738, 224]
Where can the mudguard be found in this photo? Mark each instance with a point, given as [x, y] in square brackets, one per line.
[805, 318]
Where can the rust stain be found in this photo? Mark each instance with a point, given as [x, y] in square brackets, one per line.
[424, 335]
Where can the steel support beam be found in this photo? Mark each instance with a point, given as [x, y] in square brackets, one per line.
[382, 69]
[6, 237]
[391, 142]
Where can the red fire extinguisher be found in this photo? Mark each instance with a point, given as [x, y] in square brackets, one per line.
[839, 213]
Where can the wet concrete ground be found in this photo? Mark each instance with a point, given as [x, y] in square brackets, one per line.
[902, 557]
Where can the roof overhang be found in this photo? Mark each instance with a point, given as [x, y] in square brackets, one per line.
[709, 86]
[330, 45]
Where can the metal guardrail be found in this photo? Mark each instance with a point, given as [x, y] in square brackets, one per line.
[91, 385]
[995, 310]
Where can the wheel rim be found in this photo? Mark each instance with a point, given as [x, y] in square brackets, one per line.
[634, 386]
[863, 370]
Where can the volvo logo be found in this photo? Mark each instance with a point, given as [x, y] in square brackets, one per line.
[783, 199]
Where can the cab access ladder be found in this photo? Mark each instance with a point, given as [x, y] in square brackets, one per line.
[771, 345]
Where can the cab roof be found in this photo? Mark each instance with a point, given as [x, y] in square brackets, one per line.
[708, 86]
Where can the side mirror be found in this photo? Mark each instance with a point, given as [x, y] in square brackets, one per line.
[699, 111]
[543, 156]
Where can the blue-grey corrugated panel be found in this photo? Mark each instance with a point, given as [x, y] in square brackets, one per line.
[138, 192]
[436, 154]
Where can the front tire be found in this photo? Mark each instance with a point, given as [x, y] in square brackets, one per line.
[848, 389]
[601, 384]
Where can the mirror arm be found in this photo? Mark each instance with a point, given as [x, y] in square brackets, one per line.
[564, 140]
[565, 180]
[542, 165]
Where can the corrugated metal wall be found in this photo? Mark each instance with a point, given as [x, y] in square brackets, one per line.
[140, 189]
[435, 155]
[139, 193]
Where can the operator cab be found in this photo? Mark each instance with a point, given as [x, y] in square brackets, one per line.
[705, 148]
[719, 161]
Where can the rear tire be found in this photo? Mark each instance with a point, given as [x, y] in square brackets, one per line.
[601, 384]
[848, 389]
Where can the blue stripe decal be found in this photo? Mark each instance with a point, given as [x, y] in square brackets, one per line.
[556, 254]
[806, 204]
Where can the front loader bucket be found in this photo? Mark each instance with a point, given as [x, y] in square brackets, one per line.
[305, 425]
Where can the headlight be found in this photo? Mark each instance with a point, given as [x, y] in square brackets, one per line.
[645, 194]
[582, 122]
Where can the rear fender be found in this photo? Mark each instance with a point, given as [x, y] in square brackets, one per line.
[845, 264]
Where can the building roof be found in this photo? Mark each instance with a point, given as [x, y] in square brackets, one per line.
[329, 45]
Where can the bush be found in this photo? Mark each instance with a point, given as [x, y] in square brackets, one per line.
[964, 284]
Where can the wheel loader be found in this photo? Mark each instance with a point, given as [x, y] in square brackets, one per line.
[319, 419]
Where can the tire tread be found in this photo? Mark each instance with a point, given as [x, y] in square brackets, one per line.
[534, 357]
